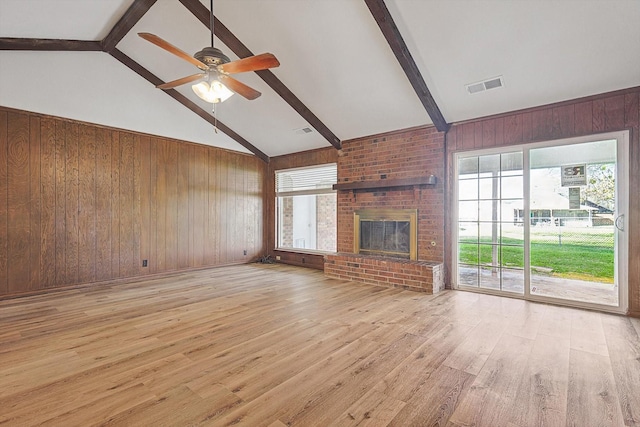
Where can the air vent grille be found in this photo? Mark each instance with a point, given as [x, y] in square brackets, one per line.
[492, 83]
[478, 87]
[303, 131]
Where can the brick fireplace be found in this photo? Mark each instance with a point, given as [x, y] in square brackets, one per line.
[386, 232]
[394, 172]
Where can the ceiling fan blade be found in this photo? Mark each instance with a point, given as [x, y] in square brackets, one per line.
[239, 87]
[252, 63]
[172, 49]
[182, 81]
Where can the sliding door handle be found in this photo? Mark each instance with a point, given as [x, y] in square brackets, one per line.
[620, 222]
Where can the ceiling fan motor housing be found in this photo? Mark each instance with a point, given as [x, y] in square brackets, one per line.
[212, 56]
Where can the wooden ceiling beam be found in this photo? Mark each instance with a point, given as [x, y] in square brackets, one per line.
[130, 18]
[230, 40]
[7, 43]
[153, 79]
[390, 31]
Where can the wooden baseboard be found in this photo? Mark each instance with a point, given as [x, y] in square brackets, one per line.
[634, 313]
[300, 259]
[117, 281]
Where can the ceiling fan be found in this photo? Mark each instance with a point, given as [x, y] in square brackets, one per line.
[216, 84]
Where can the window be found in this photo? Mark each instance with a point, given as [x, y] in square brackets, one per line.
[306, 208]
[490, 232]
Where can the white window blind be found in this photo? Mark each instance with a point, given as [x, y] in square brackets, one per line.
[308, 180]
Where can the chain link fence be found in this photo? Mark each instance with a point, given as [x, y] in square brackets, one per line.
[581, 231]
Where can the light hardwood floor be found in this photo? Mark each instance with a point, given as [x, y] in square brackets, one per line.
[272, 345]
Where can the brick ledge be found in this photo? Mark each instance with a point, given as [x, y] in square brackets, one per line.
[420, 276]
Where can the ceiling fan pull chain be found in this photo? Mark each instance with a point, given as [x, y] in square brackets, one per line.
[215, 118]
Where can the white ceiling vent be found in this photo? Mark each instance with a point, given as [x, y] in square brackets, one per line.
[303, 131]
[492, 83]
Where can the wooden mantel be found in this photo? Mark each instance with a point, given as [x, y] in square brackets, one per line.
[386, 183]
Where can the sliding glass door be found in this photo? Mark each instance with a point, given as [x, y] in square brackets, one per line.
[490, 242]
[545, 221]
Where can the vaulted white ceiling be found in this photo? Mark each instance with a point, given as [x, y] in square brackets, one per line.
[334, 59]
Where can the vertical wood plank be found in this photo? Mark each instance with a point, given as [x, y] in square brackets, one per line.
[513, 129]
[232, 213]
[18, 202]
[478, 135]
[583, 121]
[542, 124]
[71, 203]
[527, 127]
[200, 204]
[104, 198]
[632, 110]
[563, 121]
[499, 132]
[172, 206]
[209, 248]
[252, 209]
[249, 207]
[225, 221]
[218, 208]
[468, 136]
[598, 116]
[87, 210]
[234, 232]
[48, 203]
[632, 120]
[264, 227]
[35, 203]
[258, 218]
[153, 205]
[183, 206]
[460, 137]
[136, 208]
[115, 204]
[214, 206]
[192, 203]
[4, 230]
[614, 109]
[241, 208]
[488, 133]
[451, 138]
[144, 188]
[126, 204]
[162, 203]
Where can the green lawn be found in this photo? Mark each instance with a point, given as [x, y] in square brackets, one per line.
[567, 260]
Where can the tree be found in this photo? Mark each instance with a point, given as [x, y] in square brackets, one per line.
[601, 185]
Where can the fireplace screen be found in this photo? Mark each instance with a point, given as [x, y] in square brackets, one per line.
[386, 232]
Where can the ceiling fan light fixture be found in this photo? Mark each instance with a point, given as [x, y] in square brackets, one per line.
[212, 92]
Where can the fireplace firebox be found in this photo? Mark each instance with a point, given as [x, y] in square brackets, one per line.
[386, 232]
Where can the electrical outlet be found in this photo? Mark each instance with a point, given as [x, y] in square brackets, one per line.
[277, 257]
[303, 260]
[144, 263]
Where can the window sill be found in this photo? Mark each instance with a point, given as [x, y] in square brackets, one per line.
[303, 251]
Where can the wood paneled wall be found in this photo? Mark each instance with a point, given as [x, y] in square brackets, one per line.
[296, 160]
[81, 203]
[603, 113]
